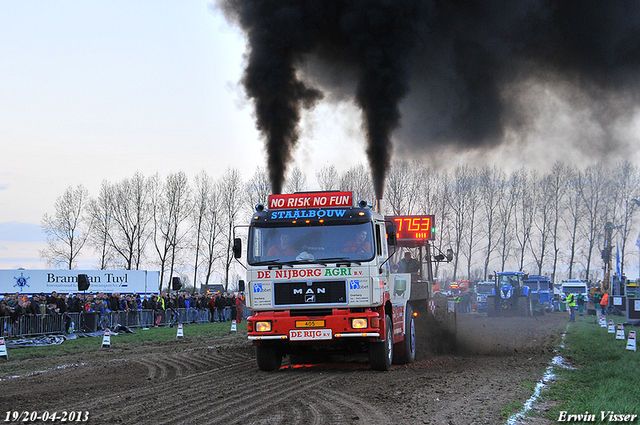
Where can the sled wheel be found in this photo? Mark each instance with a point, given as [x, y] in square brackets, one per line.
[405, 350]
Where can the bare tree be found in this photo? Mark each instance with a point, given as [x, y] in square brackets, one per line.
[171, 209]
[525, 210]
[492, 183]
[506, 213]
[206, 226]
[443, 216]
[574, 215]
[397, 187]
[131, 215]
[542, 194]
[230, 208]
[296, 181]
[559, 182]
[68, 229]
[626, 187]
[429, 188]
[592, 191]
[461, 193]
[328, 178]
[258, 188]
[358, 180]
[472, 205]
[101, 212]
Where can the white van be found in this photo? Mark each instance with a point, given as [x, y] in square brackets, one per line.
[575, 286]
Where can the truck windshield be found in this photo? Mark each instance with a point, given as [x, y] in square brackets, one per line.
[574, 289]
[508, 280]
[484, 288]
[315, 244]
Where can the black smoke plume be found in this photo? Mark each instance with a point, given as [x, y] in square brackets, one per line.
[455, 69]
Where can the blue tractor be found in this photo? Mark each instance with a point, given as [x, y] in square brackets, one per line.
[510, 296]
[541, 293]
[483, 290]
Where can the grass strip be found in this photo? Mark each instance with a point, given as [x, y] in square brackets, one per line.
[605, 376]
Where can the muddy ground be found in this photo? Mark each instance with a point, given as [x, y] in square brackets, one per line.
[216, 380]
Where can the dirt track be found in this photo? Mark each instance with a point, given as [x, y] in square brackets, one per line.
[217, 381]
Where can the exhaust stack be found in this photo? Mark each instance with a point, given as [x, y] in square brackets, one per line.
[378, 207]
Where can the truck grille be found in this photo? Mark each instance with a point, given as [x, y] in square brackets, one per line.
[309, 293]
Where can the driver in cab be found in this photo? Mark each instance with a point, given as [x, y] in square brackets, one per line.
[283, 248]
[359, 244]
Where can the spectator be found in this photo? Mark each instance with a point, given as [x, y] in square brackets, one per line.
[571, 306]
[212, 309]
[239, 308]
[604, 303]
[220, 304]
[580, 302]
[233, 307]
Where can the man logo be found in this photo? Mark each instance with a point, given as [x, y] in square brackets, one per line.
[309, 291]
[257, 287]
[310, 298]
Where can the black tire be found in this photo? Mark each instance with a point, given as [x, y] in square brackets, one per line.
[491, 305]
[381, 352]
[523, 306]
[296, 359]
[268, 358]
[405, 350]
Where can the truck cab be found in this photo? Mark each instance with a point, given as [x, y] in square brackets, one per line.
[575, 286]
[319, 282]
[483, 290]
[541, 292]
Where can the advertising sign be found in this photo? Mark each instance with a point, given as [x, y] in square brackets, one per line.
[66, 281]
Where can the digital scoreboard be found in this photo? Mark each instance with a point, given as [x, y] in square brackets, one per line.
[413, 228]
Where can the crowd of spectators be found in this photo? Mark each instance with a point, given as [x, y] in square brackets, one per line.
[21, 314]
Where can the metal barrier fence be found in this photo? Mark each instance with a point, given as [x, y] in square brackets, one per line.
[92, 321]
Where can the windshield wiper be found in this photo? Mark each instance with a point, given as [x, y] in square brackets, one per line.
[347, 260]
[275, 262]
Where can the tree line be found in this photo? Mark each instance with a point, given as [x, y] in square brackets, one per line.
[551, 223]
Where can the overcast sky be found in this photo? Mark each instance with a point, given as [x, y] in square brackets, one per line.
[93, 91]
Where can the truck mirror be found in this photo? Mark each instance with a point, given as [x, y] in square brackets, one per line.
[490, 277]
[241, 285]
[449, 255]
[237, 247]
[391, 235]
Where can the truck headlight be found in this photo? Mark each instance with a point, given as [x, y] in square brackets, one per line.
[359, 323]
[263, 326]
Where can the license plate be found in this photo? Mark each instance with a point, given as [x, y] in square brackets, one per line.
[309, 334]
[309, 323]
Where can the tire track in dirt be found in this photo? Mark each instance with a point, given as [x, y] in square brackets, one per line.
[160, 380]
[344, 408]
[241, 409]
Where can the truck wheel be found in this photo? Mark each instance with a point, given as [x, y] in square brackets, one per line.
[405, 350]
[381, 352]
[268, 358]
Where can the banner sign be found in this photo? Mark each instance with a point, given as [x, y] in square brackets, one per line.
[311, 200]
[66, 281]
